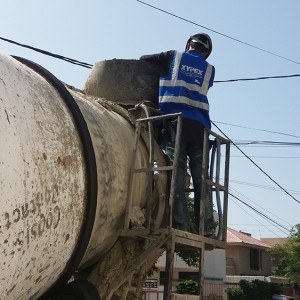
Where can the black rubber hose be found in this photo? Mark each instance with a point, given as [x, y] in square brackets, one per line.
[216, 154]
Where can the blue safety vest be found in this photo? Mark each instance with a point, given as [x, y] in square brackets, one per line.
[185, 88]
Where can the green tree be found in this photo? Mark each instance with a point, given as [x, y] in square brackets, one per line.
[256, 289]
[187, 287]
[289, 256]
[190, 257]
[236, 293]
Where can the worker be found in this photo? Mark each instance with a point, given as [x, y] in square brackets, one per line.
[183, 88]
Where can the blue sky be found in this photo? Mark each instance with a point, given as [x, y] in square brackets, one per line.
[92, 31]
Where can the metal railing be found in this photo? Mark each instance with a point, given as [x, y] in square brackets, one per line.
[151, 168]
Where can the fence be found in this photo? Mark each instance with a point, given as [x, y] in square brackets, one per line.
[211, 291]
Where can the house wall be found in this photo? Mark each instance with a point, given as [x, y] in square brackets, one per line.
[266, 263]
[232, 260]
[214, 264]
[238, 262]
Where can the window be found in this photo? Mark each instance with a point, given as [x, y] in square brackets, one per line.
[162, 276]
[255, 259]
[188, 275]
[181, 276]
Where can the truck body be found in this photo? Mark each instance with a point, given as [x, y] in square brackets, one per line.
[64, 167]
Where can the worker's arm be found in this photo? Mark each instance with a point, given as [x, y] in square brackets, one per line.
[163, 59]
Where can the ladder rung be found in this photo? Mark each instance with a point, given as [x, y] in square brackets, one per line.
[216, 185]
[143, 170]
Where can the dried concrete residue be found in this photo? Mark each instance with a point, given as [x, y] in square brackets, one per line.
[137, 217]
[117, 275]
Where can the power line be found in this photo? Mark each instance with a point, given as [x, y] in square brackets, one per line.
[267, 157]
[263, 215]
[257, 78]
[254, 203]
[260, 213]
[247, 224]
[270, 131]
[266, 146]
[266, 143]
[67, 59]
[219, 33]
[89, 66]
[263, 186]
[257, 165]
[256, 218]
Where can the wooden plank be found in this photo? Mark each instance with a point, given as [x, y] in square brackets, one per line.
[188, 238]
[135, 232]
[180, 237]
[188, 243]
[153, 169]
[169, 269]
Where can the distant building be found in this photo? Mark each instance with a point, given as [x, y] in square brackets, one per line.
[244, 258]
[274, 257]
[246, 255]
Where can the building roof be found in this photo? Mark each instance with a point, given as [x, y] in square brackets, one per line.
[242, 238]
[274, 241]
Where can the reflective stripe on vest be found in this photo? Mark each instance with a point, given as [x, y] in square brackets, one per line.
[185, 100]
[174, 82]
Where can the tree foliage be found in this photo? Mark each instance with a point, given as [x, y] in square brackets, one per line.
[187, 287]
[256, 289]
[190, 257]
[289, 256]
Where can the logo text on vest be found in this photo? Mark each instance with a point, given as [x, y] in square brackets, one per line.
[191, 71]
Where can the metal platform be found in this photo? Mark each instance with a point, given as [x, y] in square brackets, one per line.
[182, 239]
[163, 237]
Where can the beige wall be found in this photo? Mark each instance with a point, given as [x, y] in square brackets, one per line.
[238, 261]
[214, 264]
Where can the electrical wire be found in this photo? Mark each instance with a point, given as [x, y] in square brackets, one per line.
[289, 194]
[255, 218]
[257, 129]
[257, 78]
[266, 143]
[264, 146]
[219, 33]
[238, 194]
[263, 186]
[270, 220]
[89, 66]
[267, 157]
[261, 214]
[67, 59]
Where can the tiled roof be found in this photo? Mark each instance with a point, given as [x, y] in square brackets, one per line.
[274, 241]
[238, 237]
